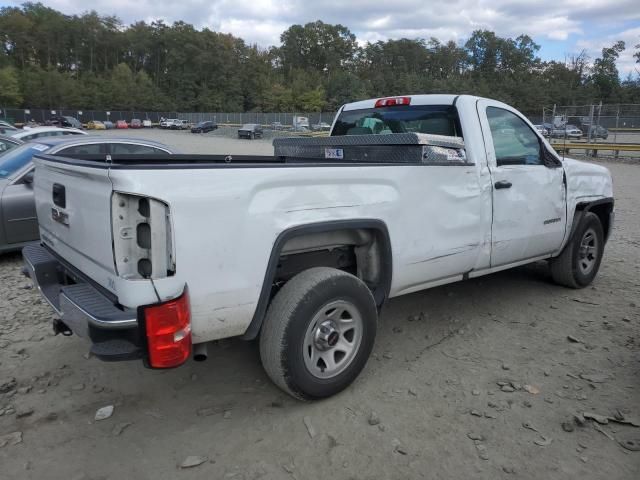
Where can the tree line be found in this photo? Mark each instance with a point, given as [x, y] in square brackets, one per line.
[92, 61]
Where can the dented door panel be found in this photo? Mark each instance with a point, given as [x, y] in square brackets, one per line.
[529, 216]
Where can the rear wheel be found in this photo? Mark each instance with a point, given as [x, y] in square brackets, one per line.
[318, 333]
[579, 262]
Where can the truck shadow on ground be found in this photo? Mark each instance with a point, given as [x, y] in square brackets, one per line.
[408, 325]
[233, 377]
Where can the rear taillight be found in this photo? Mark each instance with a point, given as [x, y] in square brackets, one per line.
[393, 101]
[168, 328]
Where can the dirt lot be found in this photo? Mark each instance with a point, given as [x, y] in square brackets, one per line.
[479, 379]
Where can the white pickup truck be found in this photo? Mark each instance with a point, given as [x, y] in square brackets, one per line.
[150, 259]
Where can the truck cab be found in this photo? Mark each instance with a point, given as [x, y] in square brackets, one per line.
[407, 193]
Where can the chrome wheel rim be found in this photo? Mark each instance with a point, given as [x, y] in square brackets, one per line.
[332, 339]
[588, 251]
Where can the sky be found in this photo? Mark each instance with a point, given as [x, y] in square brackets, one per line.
[560, 27]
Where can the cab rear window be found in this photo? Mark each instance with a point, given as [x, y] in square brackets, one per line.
[433, 119]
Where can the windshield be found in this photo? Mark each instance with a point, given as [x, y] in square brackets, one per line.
[15, 159]
[433, 119]
[248, 126]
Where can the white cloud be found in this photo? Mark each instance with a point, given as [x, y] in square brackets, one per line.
[626, 63]
[253, 30]
[262, 21]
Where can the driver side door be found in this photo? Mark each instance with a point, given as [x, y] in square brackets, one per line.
[529, 191]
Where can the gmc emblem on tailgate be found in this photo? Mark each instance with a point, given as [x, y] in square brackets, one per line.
[59, 216]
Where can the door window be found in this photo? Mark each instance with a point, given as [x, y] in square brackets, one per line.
[513, 141]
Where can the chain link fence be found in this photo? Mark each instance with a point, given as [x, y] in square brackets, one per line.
[594, 123]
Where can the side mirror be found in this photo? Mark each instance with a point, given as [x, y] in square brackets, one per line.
[28, 177]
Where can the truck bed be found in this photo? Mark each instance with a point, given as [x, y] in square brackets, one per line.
[392, 149]
[225, 220]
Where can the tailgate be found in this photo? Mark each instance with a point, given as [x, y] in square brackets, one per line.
[73, 204]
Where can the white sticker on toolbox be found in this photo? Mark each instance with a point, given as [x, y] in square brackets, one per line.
[334, 153]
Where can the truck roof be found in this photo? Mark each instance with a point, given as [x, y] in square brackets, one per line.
[431, 99]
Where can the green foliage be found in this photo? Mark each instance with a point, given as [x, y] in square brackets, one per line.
[311, 100]
[605, 74]
[90, 61]
[10, 94]
[317, 47]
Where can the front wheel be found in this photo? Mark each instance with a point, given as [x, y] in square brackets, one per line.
[579, 262]
[318, 333]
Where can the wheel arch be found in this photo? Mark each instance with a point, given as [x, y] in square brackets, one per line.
[603, 208]
[380, 291]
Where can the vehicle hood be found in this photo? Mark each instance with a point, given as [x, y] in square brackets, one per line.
[587, 181]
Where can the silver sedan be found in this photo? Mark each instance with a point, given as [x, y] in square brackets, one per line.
[18, 221]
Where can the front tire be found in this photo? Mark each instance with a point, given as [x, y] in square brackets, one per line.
[318, 333]
[579, 262]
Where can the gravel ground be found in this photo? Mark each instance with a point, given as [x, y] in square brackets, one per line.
[221, 141]
[488, 378]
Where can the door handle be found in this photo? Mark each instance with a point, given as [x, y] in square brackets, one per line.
[502, 184]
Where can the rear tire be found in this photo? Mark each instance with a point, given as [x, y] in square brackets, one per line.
[318, 333]
[579, 262]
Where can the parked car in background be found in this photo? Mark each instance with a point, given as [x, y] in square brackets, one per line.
[73, 122]
[6, 128]
[122, 124]
[96, 125]
[179, 124]
[204, 127]
[568, 131]
[321, 126]
[5, 124]
[146, 123]
[63, 121]
[109, 125]
[167, 122]
[300, 124]
[595, 131]
[250, 131]
[277, 126]
[135, 123]
[542, 130]
[18, 222]
[7, 143]
[28, 134]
